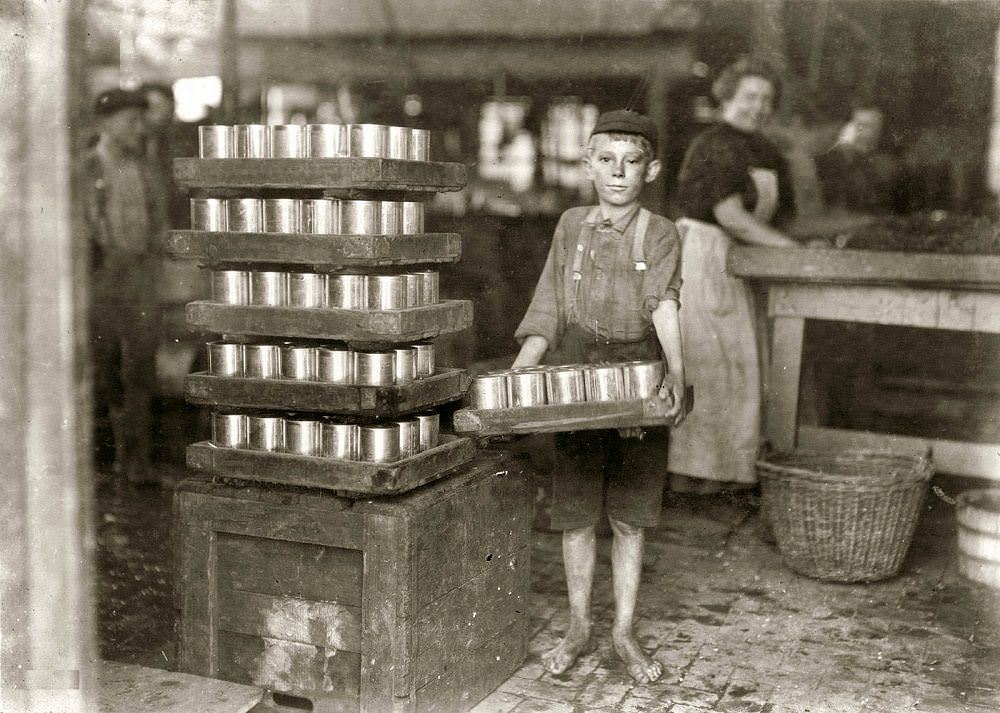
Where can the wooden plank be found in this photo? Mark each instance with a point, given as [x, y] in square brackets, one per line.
[978, 460]
[126, 688]
[961, 310]
[357, 477]
[554, 418]
[324, 252]
[326, 624]
[865, 267]
[380, 174]
[355, 326]
[194, 555]
[783, 389]
[285, 568]
[444, 386]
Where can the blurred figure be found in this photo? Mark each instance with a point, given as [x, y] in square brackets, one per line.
[167, 139]
[124, 213]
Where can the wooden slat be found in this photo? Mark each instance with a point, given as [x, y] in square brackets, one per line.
[325, 252]
[326, 624]
[357, 477]
[444, 386]
[320, 173]
[287, 568]
[865, 267]
[979, 460]
[967, 311]
[783, 388]
[355, 326]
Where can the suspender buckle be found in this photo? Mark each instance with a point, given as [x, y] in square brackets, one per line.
[640, 266]
[577, 275]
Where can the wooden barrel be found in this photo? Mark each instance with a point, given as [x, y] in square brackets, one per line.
[979, 535]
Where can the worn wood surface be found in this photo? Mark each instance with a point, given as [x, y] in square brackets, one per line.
[444, 386]
[782, 396]
[323, 253]
[352, 326]
[126, 688]
[555, 418]
[356, 477]
[381, 174]
[866, 267]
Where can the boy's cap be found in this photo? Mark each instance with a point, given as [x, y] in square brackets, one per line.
[625, 121]
[114, 100]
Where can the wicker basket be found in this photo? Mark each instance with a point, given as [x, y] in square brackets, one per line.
[844, 517]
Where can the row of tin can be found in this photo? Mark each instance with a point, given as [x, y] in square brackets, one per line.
[321, 216]
[328, 364]
[313, 290]
[575, 383]
[313, 141]
[376, 443]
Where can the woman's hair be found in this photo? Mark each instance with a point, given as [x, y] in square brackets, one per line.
[729, 79]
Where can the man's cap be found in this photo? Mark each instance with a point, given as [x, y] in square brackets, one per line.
[114, 100]
[625, 121]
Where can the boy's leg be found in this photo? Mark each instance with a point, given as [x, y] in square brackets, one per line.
[626, 569]
[579, 555]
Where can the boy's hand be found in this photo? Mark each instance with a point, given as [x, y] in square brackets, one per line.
[674, 391]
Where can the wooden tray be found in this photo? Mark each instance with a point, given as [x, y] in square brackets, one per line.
[555, 418]
[346, 477]
[379, 174]
[444, 386]
[329, 251]
[353, 326]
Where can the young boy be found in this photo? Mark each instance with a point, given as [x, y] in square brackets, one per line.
[609, 292]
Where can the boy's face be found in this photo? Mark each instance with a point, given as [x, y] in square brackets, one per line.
[619, 170]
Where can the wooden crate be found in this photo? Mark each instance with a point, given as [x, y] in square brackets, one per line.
[324, 252]
[359, 478]
[410, 603]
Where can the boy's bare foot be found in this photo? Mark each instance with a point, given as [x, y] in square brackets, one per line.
[640, 667]
[575, 644]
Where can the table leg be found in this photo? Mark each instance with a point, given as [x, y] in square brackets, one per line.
[782, 398]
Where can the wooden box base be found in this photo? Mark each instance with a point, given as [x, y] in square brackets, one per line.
[407, 603]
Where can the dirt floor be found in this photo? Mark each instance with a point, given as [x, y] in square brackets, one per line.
[735, 629]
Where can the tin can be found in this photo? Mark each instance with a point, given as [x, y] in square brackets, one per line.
[231, 287]
[341, 441]
[425, 360]
[390, 217]
[397, 142]
[262, 361]
[320, 216]
[375, 368]
[429, 425]
[430, 291]
[250, 140]
[490, 391]
[229, 430]
[409, 437]
[605, 383]
[420, 145]
[309, 290]
[269, 288]
[379, 444]
[368, 140]
[360, 217]
[244, 215]
[304, 437]
[266, 433]
[386, 292]
[349, 291]
[299, 363]
[336, 366]
[526, 387]
[286, 141]
[215, 141]
[642, 378]
[412, 218]
[281, 215]
[208, 214]
[565, 385]
[326, 140]
[225, 359]
[406, 364]
[413, 289]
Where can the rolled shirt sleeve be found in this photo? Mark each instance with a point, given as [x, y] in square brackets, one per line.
[663, 277]
[546, 315]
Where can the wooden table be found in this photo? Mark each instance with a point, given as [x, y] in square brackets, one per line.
[932, 291]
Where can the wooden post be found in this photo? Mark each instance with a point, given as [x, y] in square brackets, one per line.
[47, 641]
[783, 388]
[656, 109]
[229, 59]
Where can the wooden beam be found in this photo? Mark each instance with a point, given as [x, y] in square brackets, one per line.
[783, 385]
